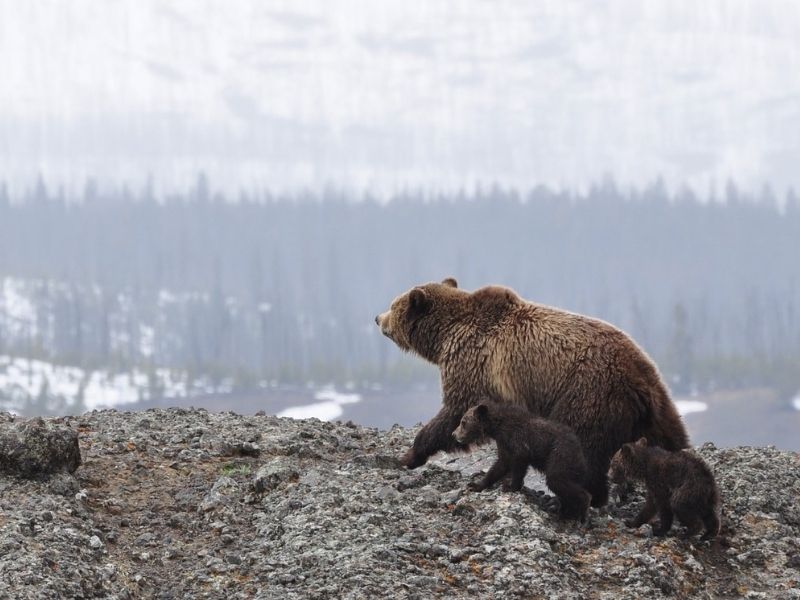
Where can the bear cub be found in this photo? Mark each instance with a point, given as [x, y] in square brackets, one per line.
[678, 484]
[524, 440]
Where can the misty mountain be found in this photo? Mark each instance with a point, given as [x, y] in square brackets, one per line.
[384, 95]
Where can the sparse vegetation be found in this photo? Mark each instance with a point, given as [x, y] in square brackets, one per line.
[237, 469]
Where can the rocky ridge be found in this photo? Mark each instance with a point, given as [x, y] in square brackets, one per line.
[183, 503]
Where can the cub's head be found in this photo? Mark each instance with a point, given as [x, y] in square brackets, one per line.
[413, 321]
[472, 428]
[626, 463]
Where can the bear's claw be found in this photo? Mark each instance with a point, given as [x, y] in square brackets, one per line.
[411, 460]
[476, 486]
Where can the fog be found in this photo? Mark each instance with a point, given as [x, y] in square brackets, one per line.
[386, 95]
[208, 202]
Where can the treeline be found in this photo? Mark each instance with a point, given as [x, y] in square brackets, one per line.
[265, 288]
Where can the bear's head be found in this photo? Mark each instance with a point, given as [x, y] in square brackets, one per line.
[626, 463]
[415, 320]
[473, 425]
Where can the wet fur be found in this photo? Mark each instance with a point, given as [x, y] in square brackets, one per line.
[525, 441]
[679, 484]
[569, 368]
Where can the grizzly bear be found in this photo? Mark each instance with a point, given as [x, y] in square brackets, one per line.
[563, 366]
[678, 483]
[524, 440]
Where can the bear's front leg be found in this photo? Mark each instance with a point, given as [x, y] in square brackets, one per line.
[497, 471]
[518, 471]
[646, 514]
[435, 436]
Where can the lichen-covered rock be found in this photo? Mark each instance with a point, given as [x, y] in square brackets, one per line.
[221, 493]
[273, 474]
[36, 447]
[63, 484]
[162, 510]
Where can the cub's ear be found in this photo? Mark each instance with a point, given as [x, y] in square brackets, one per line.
[450, 282]
[482, 410]
[642, 442]
[627, 450]
[418, 301]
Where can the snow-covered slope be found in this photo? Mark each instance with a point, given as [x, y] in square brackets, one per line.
[385, 94]
[40, 387]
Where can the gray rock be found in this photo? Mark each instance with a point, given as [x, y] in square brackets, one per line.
[335, 518]
[63, 484]
[274, 473]
[387, 493]
[220, 494]
[240, 449]
[377, 461]
[428, 495]
[35, 447]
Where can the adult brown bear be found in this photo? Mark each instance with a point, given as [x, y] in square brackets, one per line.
[567, 367]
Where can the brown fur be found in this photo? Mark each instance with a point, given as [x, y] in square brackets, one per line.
[678, 483]
[523, 441]
[563, 366]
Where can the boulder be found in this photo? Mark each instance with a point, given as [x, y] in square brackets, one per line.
[34, 447]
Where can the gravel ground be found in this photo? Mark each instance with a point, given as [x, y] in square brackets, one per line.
[183, 503]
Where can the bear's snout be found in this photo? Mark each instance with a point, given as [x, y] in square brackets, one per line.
[382, 321]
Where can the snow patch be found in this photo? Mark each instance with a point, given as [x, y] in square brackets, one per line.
[686, 407]
[329, 409]
[796, 402]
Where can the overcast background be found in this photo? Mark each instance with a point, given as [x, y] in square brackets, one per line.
[387, 95]
[207, 203]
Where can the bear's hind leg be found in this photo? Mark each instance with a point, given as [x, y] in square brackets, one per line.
[712, 525]
[573, 498]
[597, 481]
[693, 523]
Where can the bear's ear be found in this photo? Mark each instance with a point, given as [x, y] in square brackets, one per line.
[418, 301]
[627, 450]
[482, 410]
[450, 282]
[642, 442]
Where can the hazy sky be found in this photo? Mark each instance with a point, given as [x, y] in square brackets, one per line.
[387, 94]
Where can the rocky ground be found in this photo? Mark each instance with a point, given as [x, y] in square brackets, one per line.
[185, 503]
